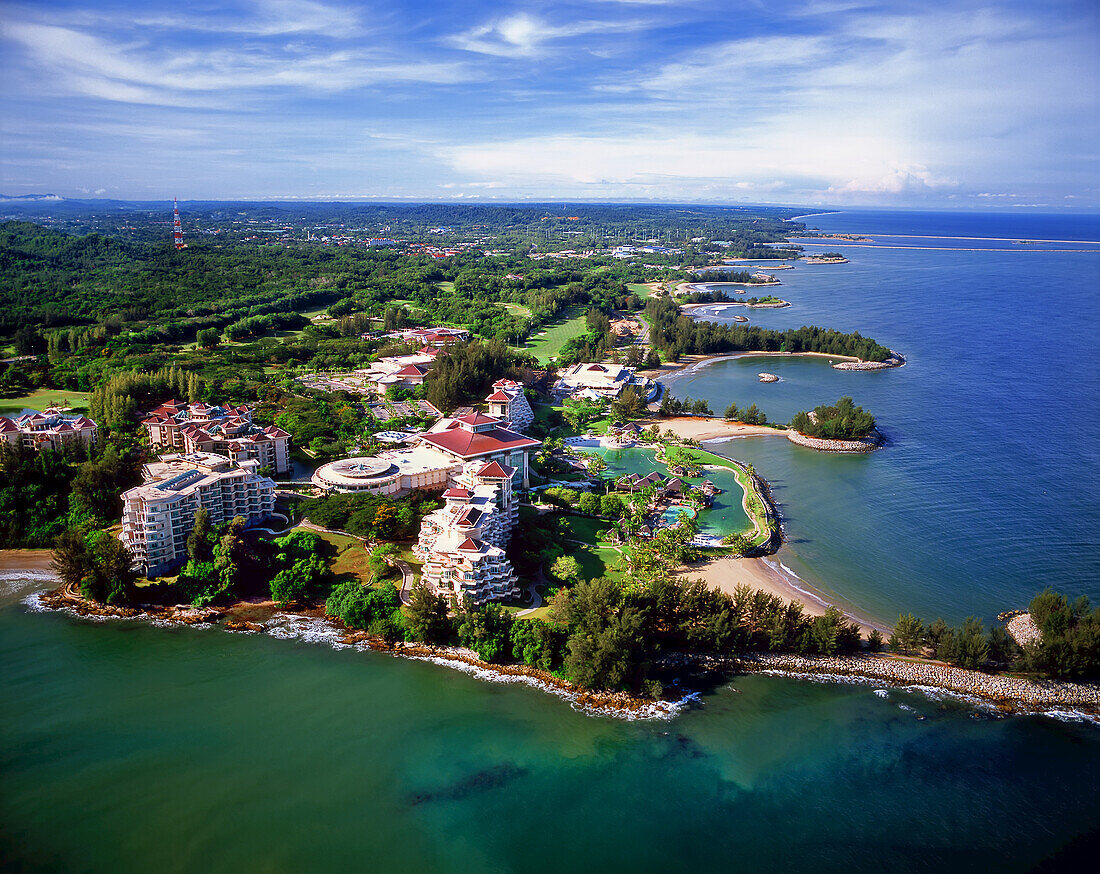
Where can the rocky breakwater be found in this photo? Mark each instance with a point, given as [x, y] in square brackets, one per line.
[896, 359]
[861, 444]
[1007, 693]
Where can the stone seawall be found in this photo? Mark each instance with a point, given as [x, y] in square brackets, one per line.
[1009, 692]
[896, 359]
[864, 444]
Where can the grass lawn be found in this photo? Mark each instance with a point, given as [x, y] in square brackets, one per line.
[760, 518]
[595, 561]
[44, 397]
[643, 291]
[583, 528]
[517, 309]
[446, 287]
[568, 325]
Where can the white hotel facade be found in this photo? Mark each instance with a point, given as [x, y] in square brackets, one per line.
[158, 515]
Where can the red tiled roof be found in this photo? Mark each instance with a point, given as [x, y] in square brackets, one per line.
[7, 425]
[412, 370]
[495, 470]
[469, 545]
[456, 493]
[499, 396]
[466, 444]
[477, 419]
[471, 517]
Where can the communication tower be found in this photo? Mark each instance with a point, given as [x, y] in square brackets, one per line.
[177, 228]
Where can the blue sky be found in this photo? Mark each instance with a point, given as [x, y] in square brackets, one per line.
[961, 104]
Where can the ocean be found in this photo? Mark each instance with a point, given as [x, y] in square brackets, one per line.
[985, 492]
[127, 747]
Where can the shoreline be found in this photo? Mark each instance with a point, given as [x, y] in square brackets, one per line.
[703, 428]
[766, 574]
[828, 444]
[1008, 694]
[686, 308]
[34, 561]
[313, 625]
[843, 362]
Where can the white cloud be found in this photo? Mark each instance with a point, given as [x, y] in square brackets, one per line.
[765, 163]
[523, 35]
[79, 63]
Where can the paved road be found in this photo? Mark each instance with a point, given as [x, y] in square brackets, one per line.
[536, 598]
[406, 579]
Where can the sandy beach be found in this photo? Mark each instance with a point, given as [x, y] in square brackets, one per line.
[32, 560]
[726, 574]
[701, 428]
[687, 361]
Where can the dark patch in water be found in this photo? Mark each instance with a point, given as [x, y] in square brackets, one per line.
[481, 781]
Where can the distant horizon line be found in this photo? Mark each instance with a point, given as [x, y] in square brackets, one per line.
[823, 209]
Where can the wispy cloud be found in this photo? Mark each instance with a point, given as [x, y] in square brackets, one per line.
[861, 100]
[80, 63]
[523, 35]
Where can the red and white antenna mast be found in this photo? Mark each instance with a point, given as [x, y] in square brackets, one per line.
[177, 228]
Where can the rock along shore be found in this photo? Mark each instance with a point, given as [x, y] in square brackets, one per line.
[896, 359]
[1007, 693]
[617, 704]
[1010, 694]
[863, 444]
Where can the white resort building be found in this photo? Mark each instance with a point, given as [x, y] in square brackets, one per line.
[480, 462]
[508, 402]
[49, 429]
[229, 431]
[158, 515]
[462, 544]
[434, 460]
[602, 382]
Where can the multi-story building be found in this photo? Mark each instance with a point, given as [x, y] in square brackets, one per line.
[229, 431]
[602, 381]
[477, 437]
[481, 461]
[158, 515]
[462, 544]
[508, 402]
[436, 458]
[47, 430]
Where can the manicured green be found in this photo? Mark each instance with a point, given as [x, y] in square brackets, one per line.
[569, 324]
[584, 528]
[42, 398]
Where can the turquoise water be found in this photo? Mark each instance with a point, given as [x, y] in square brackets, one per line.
[125, 747]
[985, 492]
[673, 513]
[726, 512]
[128, 748]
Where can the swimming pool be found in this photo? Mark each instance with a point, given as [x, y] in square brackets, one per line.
[672, 515]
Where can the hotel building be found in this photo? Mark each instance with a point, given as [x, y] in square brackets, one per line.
[229, 431]
[158, 515]
[47, 430]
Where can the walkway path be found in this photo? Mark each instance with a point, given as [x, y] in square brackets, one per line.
[536, 598]
[406, 579]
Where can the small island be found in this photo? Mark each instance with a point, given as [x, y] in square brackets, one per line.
[825, 258]
[843, 427]
[768, 377]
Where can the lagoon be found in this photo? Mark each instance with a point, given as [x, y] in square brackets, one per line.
[982, 495]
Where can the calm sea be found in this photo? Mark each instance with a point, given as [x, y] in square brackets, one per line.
[986, 492]
[125, 747]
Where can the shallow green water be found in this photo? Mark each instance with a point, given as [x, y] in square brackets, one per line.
[725, 514]
[131, 748]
